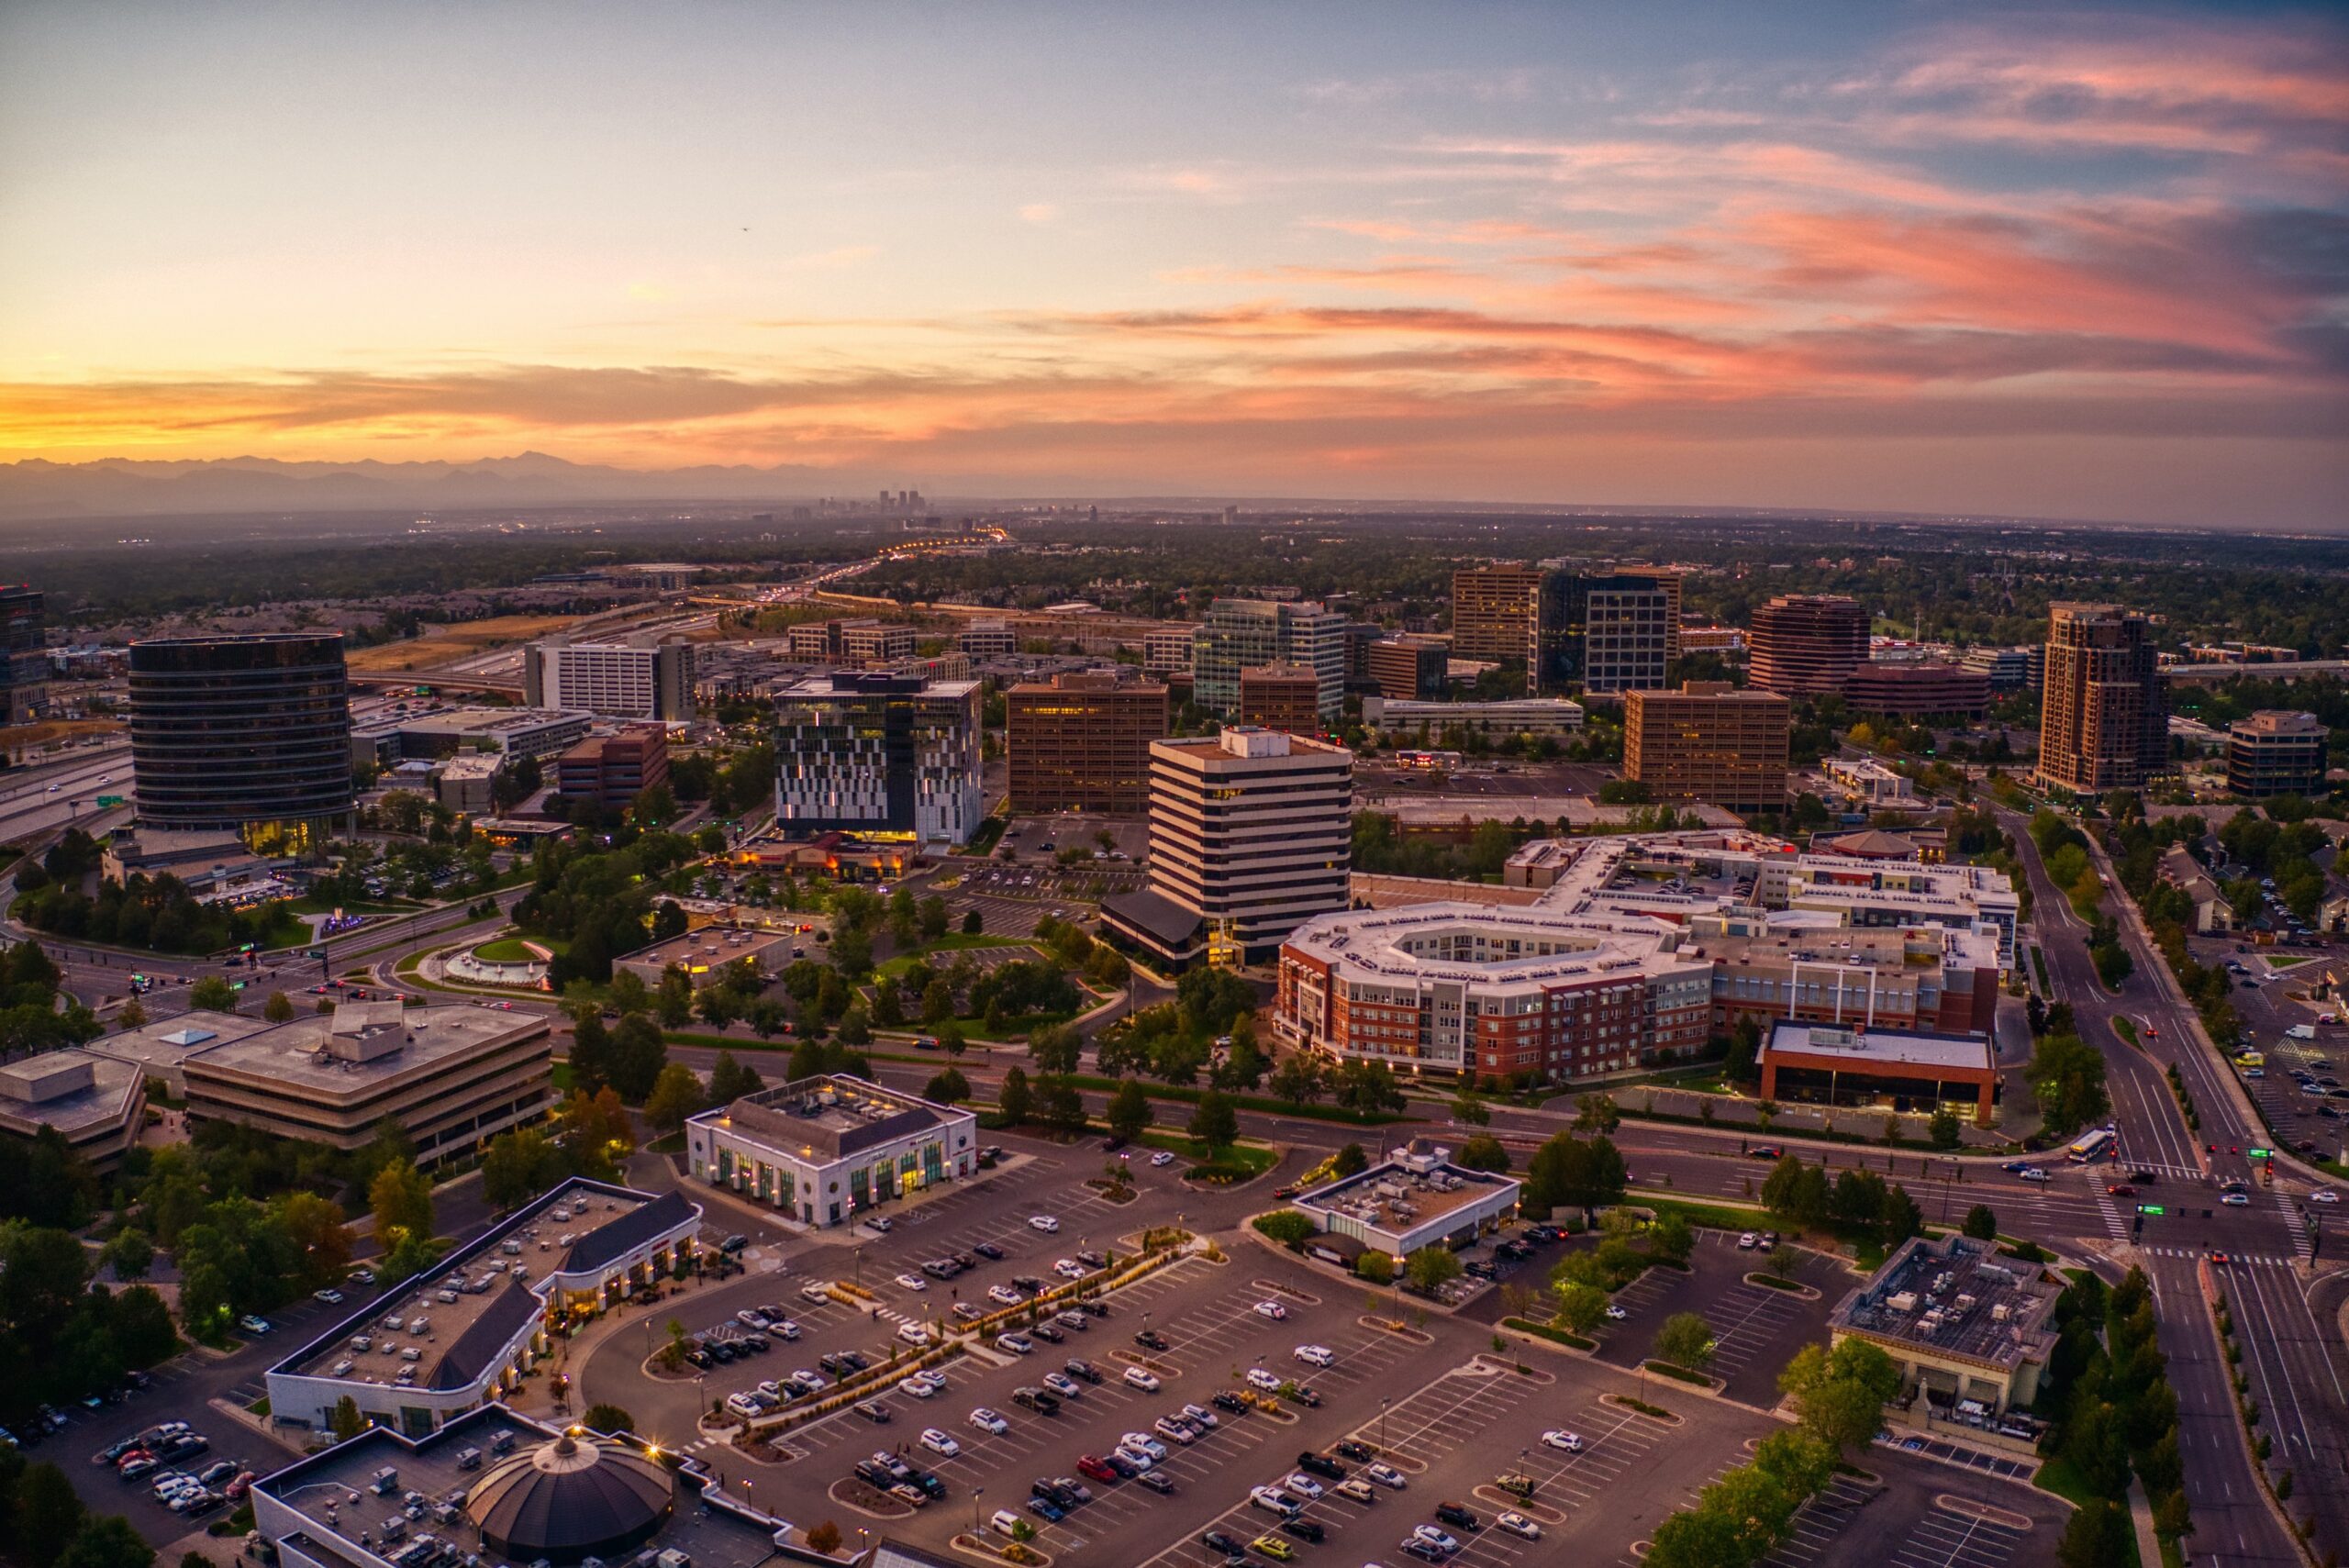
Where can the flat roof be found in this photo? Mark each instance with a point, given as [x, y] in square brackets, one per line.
[77, 1112]
[577, 1226]
[302, 1055]
[1956, 1297]
[161, 1045]
[829, 1116]
[1863, 1048]
[714, 1533]
[1433, 1188]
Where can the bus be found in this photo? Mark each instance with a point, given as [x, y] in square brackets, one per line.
[2090, 1146]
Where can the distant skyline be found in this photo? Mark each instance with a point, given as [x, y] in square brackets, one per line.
[1914, 257]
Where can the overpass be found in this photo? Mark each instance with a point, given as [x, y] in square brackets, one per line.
[2284, 670]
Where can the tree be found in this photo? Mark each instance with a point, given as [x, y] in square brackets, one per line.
[1055, 1048]
[856, 1028]
[1943, 1130]
[1470, 1111]
[1801, 1463]
[676, 1095]
[1430, 1268]
[2067, 1076]
[1131, 1112]
[1368, 1088]
[400, 1197]
[1214, 1122]
[1351, 1159]
[279, 1008]
[932, 918]
[520, 1165]
[852, 953]
[608, 1419]
[825, 1538]
[1482, 1152]
[730, 1080]
[1981, 1223]
[1703, 1539]
[1686, 1340]
[675, 1000]
[212, 995]
[347, 1421]
[107, 1542]
[2094, 1537]
[130, 1254]
[314, 1227]
[972, 923]
[1756, 1505]
[1581, 1307]
[1838, 1395]
[905, 920]
[937, 1003]
[49, 1513]
[948, 1087]
[638, 1052]
[1670, 1240]
[1597, 1113]
[1298, 1080]
[591, 1053]
[1012, 1101]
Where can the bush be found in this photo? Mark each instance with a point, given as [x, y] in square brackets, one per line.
[1289, 1227]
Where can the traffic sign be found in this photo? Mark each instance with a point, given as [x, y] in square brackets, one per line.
[2151, 1208]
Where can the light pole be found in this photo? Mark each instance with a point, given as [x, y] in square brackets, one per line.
[976, 1493]
[1382, 1426]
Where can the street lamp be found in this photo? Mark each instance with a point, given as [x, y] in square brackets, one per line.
[1382, 1425]
[976, 1493]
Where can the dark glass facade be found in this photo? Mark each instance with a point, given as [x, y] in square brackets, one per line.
[23, 656]
[244, 733]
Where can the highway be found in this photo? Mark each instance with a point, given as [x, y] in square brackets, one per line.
[60, 794]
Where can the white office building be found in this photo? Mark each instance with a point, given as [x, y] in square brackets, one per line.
[830, 1150]
[614, 679]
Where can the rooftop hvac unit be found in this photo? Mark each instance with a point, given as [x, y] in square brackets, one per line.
[1904, 1302]
[2001, 1312]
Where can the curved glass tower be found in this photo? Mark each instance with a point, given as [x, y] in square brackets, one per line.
[246, 734]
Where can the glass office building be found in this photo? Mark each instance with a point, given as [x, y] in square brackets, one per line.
[246, 734]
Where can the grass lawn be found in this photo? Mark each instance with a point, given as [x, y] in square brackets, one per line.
[506, 949]
[2125, 1026]
[562, 1079]
[1548, 1332]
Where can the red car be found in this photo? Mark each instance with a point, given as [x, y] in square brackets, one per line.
[2122, 1189]
[2218, 1258]
[237, 1485]
[1094, 1468]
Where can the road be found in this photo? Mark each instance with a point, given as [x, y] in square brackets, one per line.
[58, 795]
[2296, 1369]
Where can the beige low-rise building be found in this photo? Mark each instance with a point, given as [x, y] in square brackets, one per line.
[452, 1076]
[95, 1103]
[1968, 1328]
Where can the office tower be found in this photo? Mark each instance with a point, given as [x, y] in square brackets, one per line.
[2104, 718]
[611, 770]
[1407, 669]
[1082, 742]
[612, 680]
[1281, 696]
[1494, 610]
[1604, 630]
[2276, 753]
[1240, 632]
[884, 756]
[1668, 579]
[1917, 691]
[987, 638]
[1249, 835]
[247, 734]
[862, 640]
[23, 656]
[1709, 741]
[1165, 652]
[2007, 669]
[1806, 644]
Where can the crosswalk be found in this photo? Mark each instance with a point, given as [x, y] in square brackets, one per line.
[2114, 1226]
[2191, 1252]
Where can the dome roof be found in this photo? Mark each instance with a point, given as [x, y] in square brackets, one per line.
[570, 1498]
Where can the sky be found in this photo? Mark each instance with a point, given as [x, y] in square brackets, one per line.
[1890, 256]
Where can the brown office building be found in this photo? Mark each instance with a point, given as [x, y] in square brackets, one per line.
[2276, 753]
[1281, 696]
[1709, 741]
[1918, 691]
[1408, 669]
[1806, 644]
[2104, 717]
[611, 768]
[1495, 610]
[1082, 743]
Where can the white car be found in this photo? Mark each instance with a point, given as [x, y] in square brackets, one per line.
[1069, 1268]
[1616, 1314]
[939, 1444]
[1519, 1525]
[2235, 1200]
[1316, 1355]
[987, 1420]
[1018, 1344]
[913, 1282]
[1163, 1157]
[2324, 1195]
[1259, 1378]
[1559, 1438]
[1175, 1430]
[914, 1333]
[1145, 1443]
[1748, 1241]
[1386, 1475]
[1273, 1500]
[1005, 1295]
[1044, 1222]
[1139, 1458]
[1304, 1486]
[1272, 1309]
[918, 1385]
[1145, 1381]
[1003, 1522]
[2034, 1173]
[1200, 1416]
[1354, 1486]
[253, 1325]
[1442, 1542]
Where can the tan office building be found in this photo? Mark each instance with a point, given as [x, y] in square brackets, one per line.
[1407, 669]
[1082, 742]
[1709, 741]
[452, 1076]
[2104, 717]
[1808, 644]
[1495, 611]
[1281, 696]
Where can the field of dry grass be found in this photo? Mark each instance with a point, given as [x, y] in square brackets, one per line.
[17, 736]
[444, 643]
